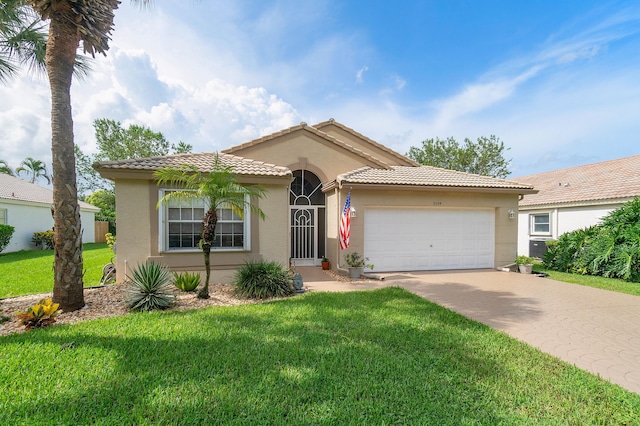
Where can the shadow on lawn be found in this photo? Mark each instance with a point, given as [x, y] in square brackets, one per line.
[363, 357]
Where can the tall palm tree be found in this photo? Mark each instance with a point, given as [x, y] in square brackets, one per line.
[70, 21]
[219, 188]
[34, 168]
[4, 168]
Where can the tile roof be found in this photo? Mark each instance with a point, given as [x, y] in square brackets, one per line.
[203, 161]
[399, 156]
[13, 188]
[428, 176]
[613, 179]
[304, 126]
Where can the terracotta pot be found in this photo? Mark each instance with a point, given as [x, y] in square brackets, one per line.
[326, 266]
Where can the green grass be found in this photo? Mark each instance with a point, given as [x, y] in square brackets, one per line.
[31, 272]
[611, 284]
[375, 357]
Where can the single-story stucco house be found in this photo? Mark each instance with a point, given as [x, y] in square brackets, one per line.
[27, 207]
[404, 216]
[573, 198]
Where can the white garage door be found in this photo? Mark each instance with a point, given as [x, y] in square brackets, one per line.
[429, 239]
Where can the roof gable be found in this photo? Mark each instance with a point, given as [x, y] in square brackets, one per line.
[349, 135]
[16, 189]
[607, 180]
[252, 146]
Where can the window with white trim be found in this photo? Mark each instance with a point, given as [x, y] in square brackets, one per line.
[182, 227]
[540, 224]
[3, 216]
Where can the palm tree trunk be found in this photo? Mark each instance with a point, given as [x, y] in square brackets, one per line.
[61, 53]
[209, 223]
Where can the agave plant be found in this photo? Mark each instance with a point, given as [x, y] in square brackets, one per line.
[148, 289]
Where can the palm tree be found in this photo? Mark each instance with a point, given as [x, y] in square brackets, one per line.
[219, 188]
[34, 168]
[70, 21]
[4, 168]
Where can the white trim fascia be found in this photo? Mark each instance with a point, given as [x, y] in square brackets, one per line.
[586, 203]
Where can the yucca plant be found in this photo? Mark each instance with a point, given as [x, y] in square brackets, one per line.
[262, 280]
[41, 314]
[149, 287]
[186, 281]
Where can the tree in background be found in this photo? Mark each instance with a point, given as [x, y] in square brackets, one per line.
[219, 188]
[484, 157]
[114, 143]
[106, 200]
[34, 169]
[4, 168]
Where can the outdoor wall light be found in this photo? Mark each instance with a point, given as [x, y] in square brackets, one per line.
[512, 214]
[352, 212]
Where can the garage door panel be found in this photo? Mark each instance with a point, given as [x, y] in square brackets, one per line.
[429, 239]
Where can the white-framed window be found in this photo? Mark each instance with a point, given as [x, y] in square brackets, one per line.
[3, 216]
[181, 227]
[540, 224]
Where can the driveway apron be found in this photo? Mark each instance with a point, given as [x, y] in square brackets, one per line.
[596, 330]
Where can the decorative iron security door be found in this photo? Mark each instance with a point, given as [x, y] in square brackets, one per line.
[306, 218]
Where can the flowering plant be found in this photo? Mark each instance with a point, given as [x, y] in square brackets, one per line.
[355, 260]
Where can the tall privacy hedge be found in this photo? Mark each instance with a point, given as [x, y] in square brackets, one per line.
[610, 249]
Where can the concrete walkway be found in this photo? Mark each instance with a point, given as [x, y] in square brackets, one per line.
[596, 330]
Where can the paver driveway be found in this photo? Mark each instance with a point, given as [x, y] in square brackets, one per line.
[597, 330]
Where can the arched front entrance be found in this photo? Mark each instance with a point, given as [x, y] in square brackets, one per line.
[306, 218]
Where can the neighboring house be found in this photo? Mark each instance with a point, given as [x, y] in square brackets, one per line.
[573, 198]
[27, 207]
[404, 216]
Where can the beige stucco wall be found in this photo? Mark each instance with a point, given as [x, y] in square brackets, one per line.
[138, 228]
[305, 150]
[361, 199]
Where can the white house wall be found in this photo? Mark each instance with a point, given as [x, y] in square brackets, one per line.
[28, 218]
[563, 220]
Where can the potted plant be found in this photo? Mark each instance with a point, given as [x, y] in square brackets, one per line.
[525, 264]
[326, 265]
[357, 263]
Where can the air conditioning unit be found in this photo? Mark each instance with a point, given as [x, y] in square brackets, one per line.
[537, 247]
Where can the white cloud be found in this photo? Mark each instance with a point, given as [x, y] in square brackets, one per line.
[360, 73]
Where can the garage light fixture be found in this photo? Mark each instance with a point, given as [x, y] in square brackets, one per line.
[512, 214]
[352, 212]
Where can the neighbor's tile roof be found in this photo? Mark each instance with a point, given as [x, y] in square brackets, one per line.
[13, 188]
[427, 176]
[612, 179]
[203, 161]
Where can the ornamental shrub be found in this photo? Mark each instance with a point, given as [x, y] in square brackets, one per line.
[43, 240]
[6, 232]
[610, 249]
[41, 314]
[148, 287]
[262, 280]
[186, 281]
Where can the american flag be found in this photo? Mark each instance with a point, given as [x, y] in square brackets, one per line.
[345, 223]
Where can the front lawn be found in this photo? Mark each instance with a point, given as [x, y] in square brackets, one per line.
[612, 284]
[369, 357]
[31, 272]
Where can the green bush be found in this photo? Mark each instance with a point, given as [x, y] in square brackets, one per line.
[610, 249]
[43, 240]
[262, 280]
[6, 232]
[186, 281]
[148, 287]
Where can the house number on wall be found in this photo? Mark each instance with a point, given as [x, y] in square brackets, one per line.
[437, 203]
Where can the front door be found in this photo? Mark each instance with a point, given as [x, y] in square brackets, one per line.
[306, 219]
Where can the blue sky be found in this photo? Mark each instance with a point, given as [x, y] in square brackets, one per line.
[558, 82]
